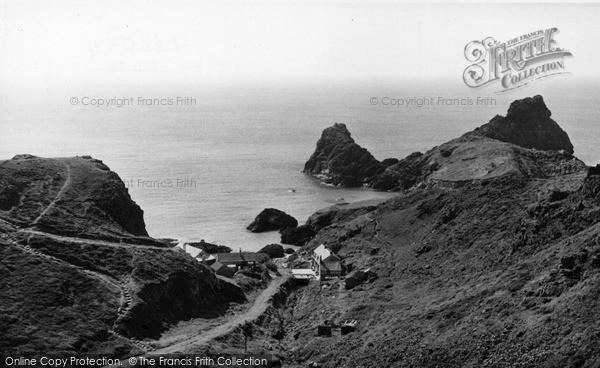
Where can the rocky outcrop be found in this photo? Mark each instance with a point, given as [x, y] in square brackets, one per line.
[298, 236]
[591, 184]
[273, 251]
[527, 124]
[271, 219]
[210, 248]
[78, 273]
[78, 196]
[527, 142]
[524, 143]
[340, 161]
[494, 246]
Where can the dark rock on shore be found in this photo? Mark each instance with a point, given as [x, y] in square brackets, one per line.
[527, 124]
[273, 250]
[272, 219]
[340, 161]
[297, 236]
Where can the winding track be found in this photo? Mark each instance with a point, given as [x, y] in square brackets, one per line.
[125, 300]
[258, 308]
[58, 197]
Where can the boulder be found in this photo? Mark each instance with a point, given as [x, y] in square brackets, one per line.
[272, 219]
[273, 250]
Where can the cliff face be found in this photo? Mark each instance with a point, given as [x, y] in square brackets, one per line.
[78, 272]
[340, 161]
[493, 261]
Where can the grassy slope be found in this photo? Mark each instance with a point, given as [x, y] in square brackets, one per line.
[51, 307]
[64, 294]
[469, 277]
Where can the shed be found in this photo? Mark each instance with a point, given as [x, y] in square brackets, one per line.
[221, 269]
[355, 278]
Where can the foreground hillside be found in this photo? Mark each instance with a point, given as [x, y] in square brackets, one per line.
[78, 272]
[490, 258]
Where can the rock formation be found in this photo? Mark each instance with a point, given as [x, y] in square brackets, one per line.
[340, 161]
[210, 248]
[500, 147]
[527, 124]
[273, 250]
[271, 219]
[68, 196]
[78, 272]
[491, 259]
[297, 236]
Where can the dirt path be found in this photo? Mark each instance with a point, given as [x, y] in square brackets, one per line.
[58, 197]
[125, 300]
[91, 241]
[258, 307]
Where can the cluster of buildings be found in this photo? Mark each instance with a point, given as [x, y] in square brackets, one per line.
[324, 263]
[225, 264]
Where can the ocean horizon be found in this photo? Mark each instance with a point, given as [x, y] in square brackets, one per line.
[205, 169]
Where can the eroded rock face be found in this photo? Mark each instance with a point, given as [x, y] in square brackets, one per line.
[271, 219]
[340, 161]
[527, 124]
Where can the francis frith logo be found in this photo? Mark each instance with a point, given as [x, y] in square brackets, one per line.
[516, 62]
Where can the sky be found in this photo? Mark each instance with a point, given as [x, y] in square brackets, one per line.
[46, 43]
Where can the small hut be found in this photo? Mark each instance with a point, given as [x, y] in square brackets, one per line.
[221, 269]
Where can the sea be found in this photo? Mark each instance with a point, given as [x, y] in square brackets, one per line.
[202, 160]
